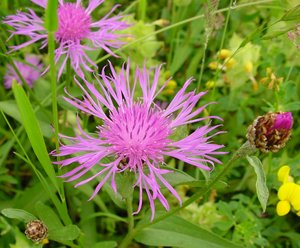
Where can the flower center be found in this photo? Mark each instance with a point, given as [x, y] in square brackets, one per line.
[136, 133]
[73, 23]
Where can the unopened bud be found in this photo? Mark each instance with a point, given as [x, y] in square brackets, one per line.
[162, 22]
[270, 132]
[36, 231]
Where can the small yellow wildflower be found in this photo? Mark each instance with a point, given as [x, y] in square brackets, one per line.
[283, 174]
[213, 65]
[168, 92]
[229, 63]
[224, 54]
[283, 208]
[289, 195]
[171, 84]
[210, 84]
[248, 66]
[45, 241]
[271, 80]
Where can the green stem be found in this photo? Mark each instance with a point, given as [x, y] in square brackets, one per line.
[51, 47]
[179, 24]
[142, 7]
[131, 229]
[130, 214]
[244, 150]
[51, 53]
[69, 74]
[203, 61]
[217, 74]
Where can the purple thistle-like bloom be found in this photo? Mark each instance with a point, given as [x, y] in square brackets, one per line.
[74, 25]
[137, 134]
[31, 71]
[283, 121]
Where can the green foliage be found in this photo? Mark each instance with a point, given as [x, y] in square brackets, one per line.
[261, 186]
[177, 232]
[239, 210]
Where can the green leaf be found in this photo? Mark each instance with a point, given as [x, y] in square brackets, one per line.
[22, 242]
[20, 214]
[51, 21]
[63, 234]
[33, 131]
[10, 108]
[177, 232]
[48, 216]
[261, 186]
[105, 244]
[178, 177]
[292, 14]
[293, 106]
[125, 183]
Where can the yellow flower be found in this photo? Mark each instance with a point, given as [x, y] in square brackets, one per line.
[171, 85]
[248, 66]
[210, 84]
[168, 92]
[283, 174]
[271, 80]
[224, 54]
[229, 63]
[288, 194]
[283, 208]
[213, 65]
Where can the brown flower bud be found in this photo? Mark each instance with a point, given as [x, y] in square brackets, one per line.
[36, 231]
[270, 132]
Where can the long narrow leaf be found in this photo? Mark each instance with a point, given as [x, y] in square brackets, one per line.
[34, 133]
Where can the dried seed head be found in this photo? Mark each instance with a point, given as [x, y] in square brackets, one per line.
[270, 132]
[36, 231]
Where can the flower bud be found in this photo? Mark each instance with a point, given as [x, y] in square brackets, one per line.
[248, 66]
[213, 65]
[36, 231]
[270, 132]
[224, 53]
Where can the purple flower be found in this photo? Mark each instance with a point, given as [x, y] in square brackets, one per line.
[74, 25]
[136, 134]
[31, 71]
[283, 121]
[270, 132]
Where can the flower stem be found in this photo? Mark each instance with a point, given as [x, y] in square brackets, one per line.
[130, 214]
[131, 231]
[245, 149]
[51, 47]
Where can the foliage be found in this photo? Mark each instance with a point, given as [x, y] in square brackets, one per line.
[259, 72]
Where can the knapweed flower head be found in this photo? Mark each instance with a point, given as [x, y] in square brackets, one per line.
[136, 134]
[288, 193]
[270, 132]
[30, 71]
[36, 231]
[74, 26]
